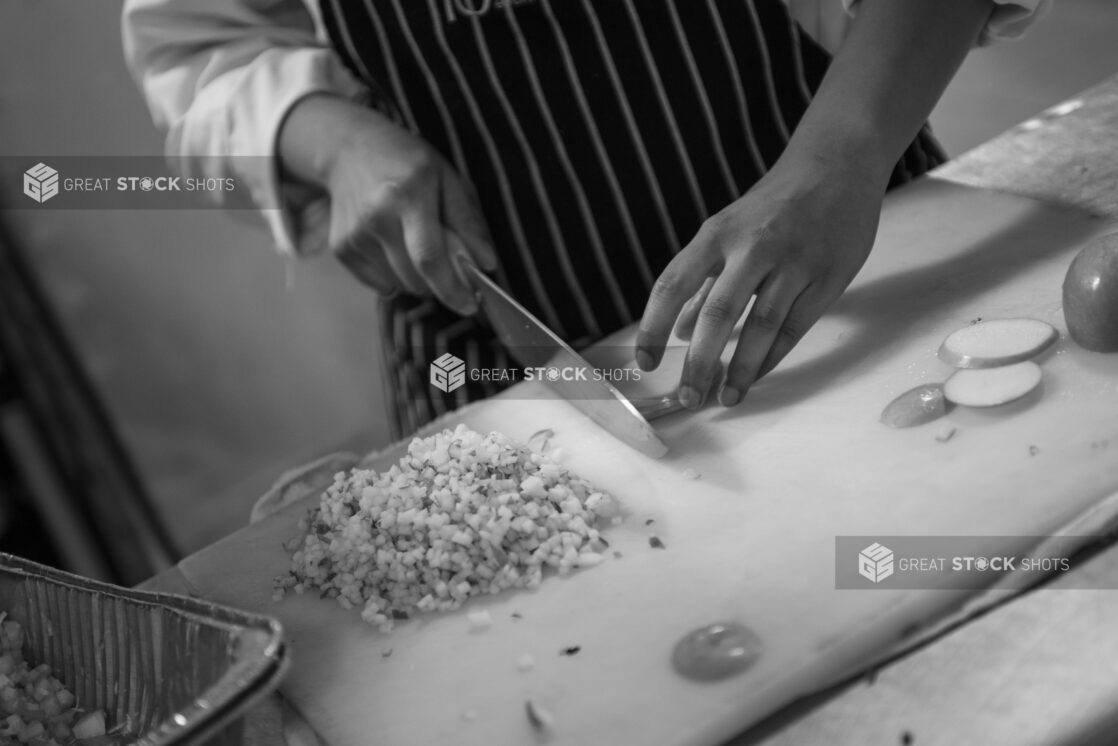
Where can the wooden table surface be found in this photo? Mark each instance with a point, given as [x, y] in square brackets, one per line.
[1041, 669]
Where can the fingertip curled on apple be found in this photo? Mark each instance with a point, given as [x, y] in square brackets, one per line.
[790, 245]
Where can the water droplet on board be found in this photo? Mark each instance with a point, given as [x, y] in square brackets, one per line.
[716, 651]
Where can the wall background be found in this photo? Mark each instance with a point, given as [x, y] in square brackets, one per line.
[218, 375]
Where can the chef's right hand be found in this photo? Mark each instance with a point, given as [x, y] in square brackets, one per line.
[398, 210]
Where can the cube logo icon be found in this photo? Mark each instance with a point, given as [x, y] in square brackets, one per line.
[448, 373]
[875, 562]
[40, 182]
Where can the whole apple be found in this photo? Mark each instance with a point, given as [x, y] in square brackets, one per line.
[1091, 295]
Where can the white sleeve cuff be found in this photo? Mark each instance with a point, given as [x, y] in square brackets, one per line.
[240, 114]
[1008, 20]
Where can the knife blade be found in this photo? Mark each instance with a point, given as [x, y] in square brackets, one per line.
[533, 345]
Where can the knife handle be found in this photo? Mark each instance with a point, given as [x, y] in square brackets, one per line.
[467, 270]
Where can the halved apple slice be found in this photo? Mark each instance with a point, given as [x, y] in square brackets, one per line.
[998, 342]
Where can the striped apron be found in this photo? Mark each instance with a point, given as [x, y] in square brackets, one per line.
[599, 135]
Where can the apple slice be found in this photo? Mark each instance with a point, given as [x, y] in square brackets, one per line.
[990, 387]
[991, 344]
[917, 406]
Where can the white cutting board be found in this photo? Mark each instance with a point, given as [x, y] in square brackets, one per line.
[752, 540]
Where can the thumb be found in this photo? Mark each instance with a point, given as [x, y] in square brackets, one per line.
[462, 215]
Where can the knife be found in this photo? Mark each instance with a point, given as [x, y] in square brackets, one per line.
[533, 345]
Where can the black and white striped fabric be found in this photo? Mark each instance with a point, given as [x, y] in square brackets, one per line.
[599, 135]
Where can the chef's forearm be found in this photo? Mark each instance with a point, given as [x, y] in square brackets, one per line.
[314, 135]
[885, 80]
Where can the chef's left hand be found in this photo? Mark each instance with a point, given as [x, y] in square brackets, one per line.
[795, 240]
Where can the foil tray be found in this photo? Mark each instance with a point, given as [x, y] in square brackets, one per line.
[166, 669]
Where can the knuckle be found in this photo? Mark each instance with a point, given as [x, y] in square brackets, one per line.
[766, 318]
[427, 260]
[712, 239]
[717, 310]
[712, 226]
[423, 161]
[341, 247]
[348, 247]
[707, 229]
[791, 332]
[699, 371]
[769, 253]
[423, 167]
[383, 198]
[666, 287]
[369, 227]
[421, 170]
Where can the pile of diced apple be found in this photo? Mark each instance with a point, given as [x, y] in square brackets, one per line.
[35, 707]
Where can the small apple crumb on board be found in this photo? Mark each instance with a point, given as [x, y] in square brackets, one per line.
[461, 515]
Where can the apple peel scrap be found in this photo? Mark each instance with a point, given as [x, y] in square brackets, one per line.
[917, 406]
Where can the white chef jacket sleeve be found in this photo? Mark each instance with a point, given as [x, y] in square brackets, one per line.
[220, 76]
[1008, 20]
